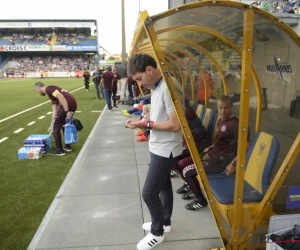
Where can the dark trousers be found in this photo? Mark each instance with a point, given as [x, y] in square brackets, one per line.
[114, 95]
[58, 124]
[87, 84]
[157, 192]
[97, 89]
[189, 173]
[130, 91]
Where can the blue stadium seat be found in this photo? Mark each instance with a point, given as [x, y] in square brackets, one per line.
[213, 129]
[208, 119]
[194, 105]
[200, 111]
[260, 160]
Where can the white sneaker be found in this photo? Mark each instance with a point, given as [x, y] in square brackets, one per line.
[147, 227]
[150, 241]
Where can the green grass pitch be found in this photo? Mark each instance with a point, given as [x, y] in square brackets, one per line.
[27, 187]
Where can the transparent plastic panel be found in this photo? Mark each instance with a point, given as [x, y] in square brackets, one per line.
[203, 47]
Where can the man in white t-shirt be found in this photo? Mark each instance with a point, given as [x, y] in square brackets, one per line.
[165, 145]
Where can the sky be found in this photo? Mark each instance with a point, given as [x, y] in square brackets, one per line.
[107, 13]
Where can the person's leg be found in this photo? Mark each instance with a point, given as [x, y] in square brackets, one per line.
[212, 166]
[109, 98]
[190, 175]
[131, 111]
[183, 162]
[106, 93]
[114, 97]
[130, 92]
[101, 91]
[97, 89]
[157, 192]
[57, 126]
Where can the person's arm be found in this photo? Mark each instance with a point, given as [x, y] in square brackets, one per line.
[172, 124]
[208, 148]
[64, 103]
[231, 167]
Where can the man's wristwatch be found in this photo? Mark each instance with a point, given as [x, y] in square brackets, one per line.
[233, 163]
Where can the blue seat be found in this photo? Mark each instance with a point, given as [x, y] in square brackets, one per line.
[208, 119]
[195, 106]
[260, 160]
[200, 111]
[213, 129]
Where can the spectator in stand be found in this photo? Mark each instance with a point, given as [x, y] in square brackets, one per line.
[265, 5]
[63, 106]
[291, 10]
[286, 6]
[274, 7]
[97, 78]
[117, 78]
[86, 76]
[107, 83]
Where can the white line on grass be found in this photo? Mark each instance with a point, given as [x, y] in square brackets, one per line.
[31, 123]
[49, 113]
[41, 117]
[3, 139]
[18, 130]
[26, 110]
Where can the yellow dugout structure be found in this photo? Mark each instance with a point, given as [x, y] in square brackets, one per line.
[253, 57]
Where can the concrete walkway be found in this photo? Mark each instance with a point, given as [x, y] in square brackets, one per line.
[99, 205]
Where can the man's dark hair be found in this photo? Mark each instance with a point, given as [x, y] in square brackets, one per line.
[139, 62]
[225, 98]
[39, 85]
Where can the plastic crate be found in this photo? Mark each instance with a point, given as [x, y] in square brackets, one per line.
[279, 224]
[29, 153]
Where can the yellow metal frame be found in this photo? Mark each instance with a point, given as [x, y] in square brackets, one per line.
[232, 45]
[238, 215]
[185, 41]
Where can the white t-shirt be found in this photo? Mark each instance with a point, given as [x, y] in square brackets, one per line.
[163, 143]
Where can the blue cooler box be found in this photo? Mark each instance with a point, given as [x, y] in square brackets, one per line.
[30, 153]
[44, 141]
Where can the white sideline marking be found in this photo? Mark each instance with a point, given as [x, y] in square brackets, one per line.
[3, 139]
[30, 123]
[18, 130]
[42, 117]
[26, 110]
[49, 113]
[7, 118]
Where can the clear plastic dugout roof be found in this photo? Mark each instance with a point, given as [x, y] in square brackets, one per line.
[242, 51]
